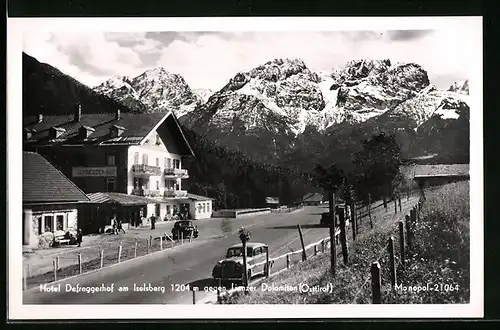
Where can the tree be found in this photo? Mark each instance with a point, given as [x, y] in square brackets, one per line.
[376, 166]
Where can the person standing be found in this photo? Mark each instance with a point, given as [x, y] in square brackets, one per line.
[114, 224]
[79, 236]
[153, 221]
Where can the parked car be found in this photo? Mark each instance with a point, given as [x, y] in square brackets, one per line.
[231, 267]
[184, 228]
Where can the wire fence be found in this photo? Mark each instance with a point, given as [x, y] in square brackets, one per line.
[84, 260]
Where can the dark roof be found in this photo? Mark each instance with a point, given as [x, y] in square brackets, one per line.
[119, 198]
[312, 197]
[136, 128]
[43, 183]
[198, 197]
[441, 170]
[272, 200]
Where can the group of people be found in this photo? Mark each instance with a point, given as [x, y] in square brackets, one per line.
[117, 226]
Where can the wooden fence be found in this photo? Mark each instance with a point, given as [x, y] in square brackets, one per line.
[94, 258]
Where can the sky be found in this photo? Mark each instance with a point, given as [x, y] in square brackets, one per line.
[208, 60]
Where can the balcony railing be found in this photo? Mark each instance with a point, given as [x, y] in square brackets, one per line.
[176, 172]
[175, 193]
[146, 192]
[146, 170]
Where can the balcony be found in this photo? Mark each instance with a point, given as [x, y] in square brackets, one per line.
[175, 193]
[141, 170]
[146, 193]
[171, 172]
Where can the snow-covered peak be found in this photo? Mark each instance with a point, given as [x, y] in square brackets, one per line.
[462, 87]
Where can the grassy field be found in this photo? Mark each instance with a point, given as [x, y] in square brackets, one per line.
[440, 257]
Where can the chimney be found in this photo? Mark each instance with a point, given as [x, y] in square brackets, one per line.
[40, 118]
[78, 113]
[118, 115]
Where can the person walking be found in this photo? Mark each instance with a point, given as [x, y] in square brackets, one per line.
[115, 224]
[153, 221]
[119, 227]
[79, 236]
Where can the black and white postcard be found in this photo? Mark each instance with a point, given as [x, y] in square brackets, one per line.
[245, 168]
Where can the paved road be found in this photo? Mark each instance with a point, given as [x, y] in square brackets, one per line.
[188, 264]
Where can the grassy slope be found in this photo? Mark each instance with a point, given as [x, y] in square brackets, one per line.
[441, 255]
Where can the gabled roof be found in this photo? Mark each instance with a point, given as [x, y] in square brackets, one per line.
[43, 183]
[312, 197]
[440, 170]
[136, 128]
[119, 198]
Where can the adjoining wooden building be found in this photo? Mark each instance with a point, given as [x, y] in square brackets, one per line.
[50, 200]
[433, 175]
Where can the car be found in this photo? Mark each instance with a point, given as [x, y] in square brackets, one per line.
[184, 229]
[231, 267]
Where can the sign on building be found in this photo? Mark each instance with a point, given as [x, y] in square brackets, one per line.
[94, 171]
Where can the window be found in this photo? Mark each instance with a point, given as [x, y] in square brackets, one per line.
[158, 141]
[203, 207]
[165, 162]
[257, 251]
[208, 207]
[110, 184]
[176, 163]
[157, 161]
[145, 159]
[48, 223]
[111, 160]
[60, 222]
[158, 185]
[136, 158]
[169, 163]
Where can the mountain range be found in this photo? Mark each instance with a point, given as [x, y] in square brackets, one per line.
[282, 112]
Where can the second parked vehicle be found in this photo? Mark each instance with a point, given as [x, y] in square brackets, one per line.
[184, 229]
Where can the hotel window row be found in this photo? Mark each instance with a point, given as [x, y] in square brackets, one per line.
[167, 162]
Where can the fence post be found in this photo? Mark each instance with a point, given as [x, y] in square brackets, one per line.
[413, 216]
[147, 246]
[392, 263]
[119, 253]
[135, 248]
[28, 270]
[102, 257]
[151, 240]
[57, 262]
[402, 242]
[304, 254]
[343, 237]
[375, 271]
[55, 269]
[408, 232]
[399, 200]
[182, 238]
[322, 246]
[395, 205]
[370, 210]
[315, 250]
[268, 270]
[353, 220]
[194, 296]
[333, 247]
[161, 242]
[287, 261]
[80, 263]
